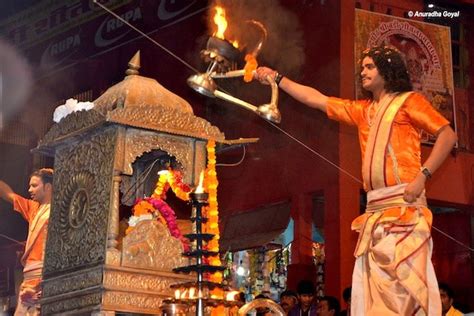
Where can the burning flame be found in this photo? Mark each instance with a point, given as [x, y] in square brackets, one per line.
[191, 293]
[221, 22]
[200, 187]
[177, 294]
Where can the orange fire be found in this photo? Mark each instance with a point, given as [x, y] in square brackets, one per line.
[200, 187]
[221, 22]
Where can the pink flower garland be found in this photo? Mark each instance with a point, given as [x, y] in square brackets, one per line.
[170, 217]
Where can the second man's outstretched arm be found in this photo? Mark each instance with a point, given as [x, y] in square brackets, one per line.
[304, 94]
[6, 192]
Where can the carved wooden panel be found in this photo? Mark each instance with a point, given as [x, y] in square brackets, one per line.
[139, 142]
[74, 123]
[67, 283]
[77, 232]
[167, 120]
[85, 303]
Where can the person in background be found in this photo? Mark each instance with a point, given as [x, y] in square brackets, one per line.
[346, 295]
[288, 300]
[305, 306]
[36, 212]
[447, 294]
[328, 306]
[240, 297]
[262, 311]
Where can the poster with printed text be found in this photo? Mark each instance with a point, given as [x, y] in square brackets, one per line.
[426, 49]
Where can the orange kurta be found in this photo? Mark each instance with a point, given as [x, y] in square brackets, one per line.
[28, 209]
[394, 242]
[415, 115]
[37, 216]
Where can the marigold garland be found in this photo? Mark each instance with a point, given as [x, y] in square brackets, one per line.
[250, 66]
[156, 205]
[212, 225]
[174, 179]
[180, 189]
[160, 190]
[162, 212]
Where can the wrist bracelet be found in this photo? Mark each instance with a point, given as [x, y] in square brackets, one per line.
[278, 78]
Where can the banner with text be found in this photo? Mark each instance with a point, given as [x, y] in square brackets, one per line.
[55, 34]
[426, 49]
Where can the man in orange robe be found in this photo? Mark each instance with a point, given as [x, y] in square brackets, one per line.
[36, 212]
[393, 274]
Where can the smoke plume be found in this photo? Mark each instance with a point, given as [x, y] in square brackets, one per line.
[283, 48]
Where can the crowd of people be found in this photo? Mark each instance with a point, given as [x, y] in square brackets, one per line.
[303, 302]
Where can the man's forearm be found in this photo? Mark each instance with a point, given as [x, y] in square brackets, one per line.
[6, 192]
[304, 94]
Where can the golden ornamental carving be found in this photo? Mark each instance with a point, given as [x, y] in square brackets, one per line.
[74, 123]
[139, 281]
[150, 246]
[113, 257]
[140, 142]
[120, 149]
[133, 301]
[160, 118]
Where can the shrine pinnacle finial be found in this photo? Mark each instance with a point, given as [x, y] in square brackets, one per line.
[133, 65]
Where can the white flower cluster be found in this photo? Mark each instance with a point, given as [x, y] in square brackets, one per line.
[134, 220]
[70, 106]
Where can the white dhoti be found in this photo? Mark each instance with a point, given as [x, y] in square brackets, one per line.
[30, 291]
[393, 273]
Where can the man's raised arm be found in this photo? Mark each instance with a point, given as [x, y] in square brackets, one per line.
[304, 94]
[6, 192]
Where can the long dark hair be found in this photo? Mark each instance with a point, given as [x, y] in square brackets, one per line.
[391, 67]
